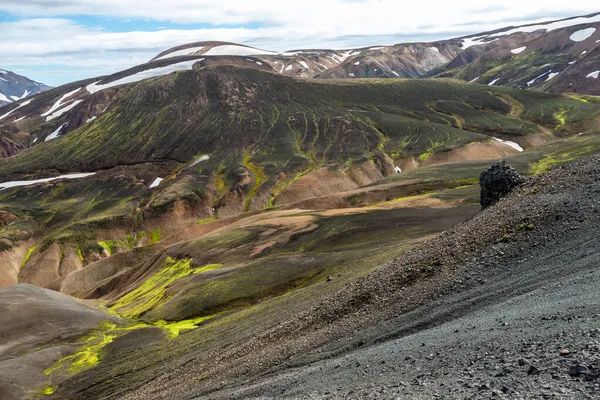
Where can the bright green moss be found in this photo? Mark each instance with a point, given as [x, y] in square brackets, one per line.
[107, 245]
[155, 235]
[88, 354]
[28, 255]
[80, 254]
[560, 117]
[152, 291]
[425, 155]
[259, 177]
[175, 328]
[48, 390]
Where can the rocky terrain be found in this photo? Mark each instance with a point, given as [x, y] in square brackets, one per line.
[502, 305]
[230, 222]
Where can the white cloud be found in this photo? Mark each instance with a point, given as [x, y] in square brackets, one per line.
[285, 25]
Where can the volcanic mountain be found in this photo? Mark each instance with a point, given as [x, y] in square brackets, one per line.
[223, 220]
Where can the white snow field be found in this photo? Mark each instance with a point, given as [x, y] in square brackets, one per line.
[143, 75]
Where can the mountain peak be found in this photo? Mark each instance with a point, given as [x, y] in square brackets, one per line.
[14, 87]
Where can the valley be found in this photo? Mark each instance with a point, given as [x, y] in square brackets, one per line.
[230, 222]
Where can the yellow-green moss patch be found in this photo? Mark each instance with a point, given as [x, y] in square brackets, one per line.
[152, 291]
[48, 390]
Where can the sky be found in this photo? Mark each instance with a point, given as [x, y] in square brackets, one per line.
[60, 41]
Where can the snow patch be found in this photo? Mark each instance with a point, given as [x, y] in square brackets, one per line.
[91, 119]
[518, 50]
[582, 34]
[289, 67]
[473, 80]
[572, 62]
[435, 49]
[3, 72]
[2, 79]
[236, 50]
[470, 42]
[304, 64]
[143, 75]
[15, 109]
[184, 52]
[12, 184]
[55, 134]
[156, 182]
[531, 82]
[198, 161]
[552, 75]
[4, 98]
[398, 169]
[592, 75]
[492, 83]
[59, 103]
[21, 119]
[352, 75]
[511, 144]
[357, 63]
[63, 110]
[259, 63]
[395, 73]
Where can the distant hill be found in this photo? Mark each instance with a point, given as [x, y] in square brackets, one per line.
[15, 87]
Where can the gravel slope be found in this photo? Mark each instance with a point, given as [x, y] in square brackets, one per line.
[481, 310]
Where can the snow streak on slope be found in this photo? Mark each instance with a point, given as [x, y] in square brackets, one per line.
[511, 144]
[184, 52]
[12, 184]
[15, 109]
[143, 75]
[63, 110]
[156, 182]
[55, 134]
[59, 103]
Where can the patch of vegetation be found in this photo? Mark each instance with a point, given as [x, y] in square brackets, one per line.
[28, 255]
[90, 352]
[152, 290]
[155, 235]
[108, 246]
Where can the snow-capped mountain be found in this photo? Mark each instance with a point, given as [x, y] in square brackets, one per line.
[15, 87]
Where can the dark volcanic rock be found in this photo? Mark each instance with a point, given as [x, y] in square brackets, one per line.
[497, 181]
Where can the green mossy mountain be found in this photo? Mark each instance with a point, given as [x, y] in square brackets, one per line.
[282, 123]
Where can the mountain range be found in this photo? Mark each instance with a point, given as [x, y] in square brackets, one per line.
[223, 221]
